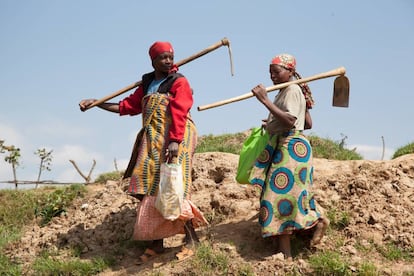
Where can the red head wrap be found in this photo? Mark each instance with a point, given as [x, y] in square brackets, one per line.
[160, 47]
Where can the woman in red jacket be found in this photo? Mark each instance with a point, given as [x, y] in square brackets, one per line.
[164, 99]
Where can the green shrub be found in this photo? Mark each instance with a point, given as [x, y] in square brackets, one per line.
[407, 149]
[334, 150]
[16, 211]
[8, 268]
[19, 208]
[329, 263]
[339, 220]
[56, 202]
[368, 269]
[115, 176]
[47, 265]
[208, 261]
[230, 143]
[393, 252]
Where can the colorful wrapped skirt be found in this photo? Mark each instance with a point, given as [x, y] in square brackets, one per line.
[150, 150]
[283, 172]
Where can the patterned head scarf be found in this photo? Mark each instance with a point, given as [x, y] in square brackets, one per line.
[160, 47]
[289, 62]
[285, 60]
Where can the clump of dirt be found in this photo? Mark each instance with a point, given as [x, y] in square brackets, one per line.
[374, 198]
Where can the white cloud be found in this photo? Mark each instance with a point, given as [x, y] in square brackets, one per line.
[372, 152]
[122, 164]
[10, 135]
[57, 129]
[77, 153]
[83, 159]
[70, 175]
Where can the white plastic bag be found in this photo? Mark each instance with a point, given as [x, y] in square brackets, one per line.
[170, 191]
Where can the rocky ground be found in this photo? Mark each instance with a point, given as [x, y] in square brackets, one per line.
[376, 198]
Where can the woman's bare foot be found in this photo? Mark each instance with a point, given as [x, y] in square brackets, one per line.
[320, 230]
[153, 250]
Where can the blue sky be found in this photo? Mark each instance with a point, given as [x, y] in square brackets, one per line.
[55, 53]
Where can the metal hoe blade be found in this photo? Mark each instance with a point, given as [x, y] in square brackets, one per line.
[341, 92]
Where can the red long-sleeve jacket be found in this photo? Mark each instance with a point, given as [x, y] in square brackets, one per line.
[181, 101]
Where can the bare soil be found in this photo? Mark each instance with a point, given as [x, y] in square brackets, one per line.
[376, 198]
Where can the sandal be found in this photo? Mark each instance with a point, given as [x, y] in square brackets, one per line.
[147, 255]
[184, 253]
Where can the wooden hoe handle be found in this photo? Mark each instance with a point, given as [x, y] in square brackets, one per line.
[332, 73]
[223, 42]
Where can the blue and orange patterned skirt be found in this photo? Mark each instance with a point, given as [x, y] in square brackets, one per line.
[283, 172]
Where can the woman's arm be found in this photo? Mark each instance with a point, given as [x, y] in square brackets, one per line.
[181, 101]
[308, 120]
[131, 105]
[113, 107]
[285, 118]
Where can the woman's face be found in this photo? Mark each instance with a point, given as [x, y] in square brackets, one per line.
[279, 74]
[163, 62]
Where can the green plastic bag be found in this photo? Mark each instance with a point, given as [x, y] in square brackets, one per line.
[252, 148]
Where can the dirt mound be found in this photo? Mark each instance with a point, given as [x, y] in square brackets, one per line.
[374, 198]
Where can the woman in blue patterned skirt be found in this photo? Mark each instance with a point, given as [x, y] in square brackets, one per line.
[284, 170]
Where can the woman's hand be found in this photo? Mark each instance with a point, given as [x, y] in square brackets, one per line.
[260, 92]
[84, 104]
[264, 123]
[172, 151]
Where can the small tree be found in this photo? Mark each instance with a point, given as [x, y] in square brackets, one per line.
[12, 158]
[45, 162]
[87, 178]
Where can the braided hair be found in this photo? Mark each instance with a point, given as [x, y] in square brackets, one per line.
[306, 92]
